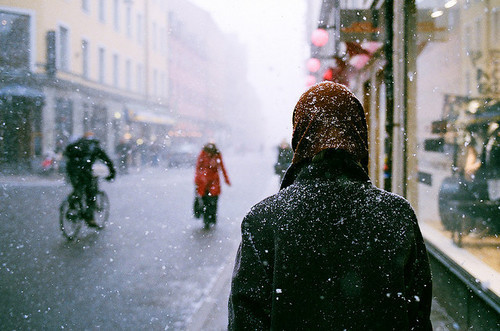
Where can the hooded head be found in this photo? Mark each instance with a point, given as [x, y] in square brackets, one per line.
[329, 116]
[211, 149]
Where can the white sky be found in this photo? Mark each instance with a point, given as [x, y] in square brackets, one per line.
[274, 33]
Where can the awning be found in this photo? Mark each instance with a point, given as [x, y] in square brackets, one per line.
[21, 91]
[152, 118]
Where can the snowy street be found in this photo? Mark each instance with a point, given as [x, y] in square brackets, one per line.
[151, 268]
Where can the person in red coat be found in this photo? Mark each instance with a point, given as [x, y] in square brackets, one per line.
[207, 181]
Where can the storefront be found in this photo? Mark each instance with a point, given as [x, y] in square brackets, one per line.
[20, 126]
[431, 94]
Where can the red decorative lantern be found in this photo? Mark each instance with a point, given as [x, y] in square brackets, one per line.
[319, 37]
[313, 64]
[310, 80]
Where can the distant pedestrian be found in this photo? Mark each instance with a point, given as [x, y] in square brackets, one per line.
[330, 251]
[124, 151]
[285, 155]
[207, 182]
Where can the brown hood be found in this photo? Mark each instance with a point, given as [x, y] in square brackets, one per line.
[328, 115]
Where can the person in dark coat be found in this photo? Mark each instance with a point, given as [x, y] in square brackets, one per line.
[330, 251]
[123, 150]
[81, 156]
[285, 155]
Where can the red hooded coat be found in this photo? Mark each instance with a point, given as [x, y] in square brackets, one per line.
[207, 172]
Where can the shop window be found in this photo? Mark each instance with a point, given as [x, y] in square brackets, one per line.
[457, 115]
[99, 123]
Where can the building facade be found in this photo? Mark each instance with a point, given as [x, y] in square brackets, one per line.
[209, 92]
[68, 67]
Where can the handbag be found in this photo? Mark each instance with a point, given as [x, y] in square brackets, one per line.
[197, 206]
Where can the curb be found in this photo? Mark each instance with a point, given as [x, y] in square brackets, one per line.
[205, 318]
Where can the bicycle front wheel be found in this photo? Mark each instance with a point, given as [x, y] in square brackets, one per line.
[101, 211]
[69, 219]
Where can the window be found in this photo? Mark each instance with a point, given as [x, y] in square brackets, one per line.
[102, 11]
[128, 23]
[63, 121]
[15, 41]
[86, 6]
[140, 75]
[64, 49]
[468, 37]
[116, 71]
[85, 58]
[455, 118]
[478, 31]
[139, 29]
[102, 65]
[155, 82]
[495, 24]
[116, 14]
[163, 84]
[128, 74]
[155, 36]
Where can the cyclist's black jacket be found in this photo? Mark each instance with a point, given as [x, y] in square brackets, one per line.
[82, 154]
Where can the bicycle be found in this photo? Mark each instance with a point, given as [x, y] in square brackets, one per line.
[72, 210]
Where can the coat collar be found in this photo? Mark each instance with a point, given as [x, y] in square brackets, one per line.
[330, 163]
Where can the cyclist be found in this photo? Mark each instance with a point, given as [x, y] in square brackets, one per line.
[81, 156]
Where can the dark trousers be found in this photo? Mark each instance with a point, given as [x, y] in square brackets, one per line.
[85, 185]
[209, 208]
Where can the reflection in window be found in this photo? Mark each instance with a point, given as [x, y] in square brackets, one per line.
[15, 41]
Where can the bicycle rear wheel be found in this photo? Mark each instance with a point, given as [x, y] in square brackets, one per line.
[69, 219]
[101, 211]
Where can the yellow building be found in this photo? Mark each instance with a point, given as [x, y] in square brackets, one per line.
[70, 66]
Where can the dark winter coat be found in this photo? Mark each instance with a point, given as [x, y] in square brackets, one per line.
[81, 156]
[330, 251]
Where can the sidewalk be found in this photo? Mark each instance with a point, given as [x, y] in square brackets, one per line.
[212, 315]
